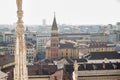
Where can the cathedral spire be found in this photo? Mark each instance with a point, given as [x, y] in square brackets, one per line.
[20, 70]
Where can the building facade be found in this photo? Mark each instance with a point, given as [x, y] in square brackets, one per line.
[10, 49]
[41, 40]
[99, 46]
[9, 37]
[30, 51]
[67, 49]
[99, 71]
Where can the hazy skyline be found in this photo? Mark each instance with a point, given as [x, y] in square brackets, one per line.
[67, 11]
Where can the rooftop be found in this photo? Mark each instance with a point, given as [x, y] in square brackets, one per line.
[103, 55]
[6, 59]
[99, 66]
[41, 69]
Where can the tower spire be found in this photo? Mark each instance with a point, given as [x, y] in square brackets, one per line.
[54, 25]
[20, 70]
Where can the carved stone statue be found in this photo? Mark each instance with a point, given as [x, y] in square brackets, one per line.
[76, 66]
[20, 70]
[19, 10]
[19, 4]
[75, 73]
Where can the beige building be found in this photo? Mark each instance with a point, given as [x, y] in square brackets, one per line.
[97, 71]
[99, 75]
[31, 53]
[99, 46]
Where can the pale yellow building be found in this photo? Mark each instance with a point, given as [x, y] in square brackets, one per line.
[66, 49]
[97, 46]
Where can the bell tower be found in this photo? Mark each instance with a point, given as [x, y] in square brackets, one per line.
[20, 70]
[54, 40]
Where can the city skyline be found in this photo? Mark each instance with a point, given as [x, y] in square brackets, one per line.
[67, 11]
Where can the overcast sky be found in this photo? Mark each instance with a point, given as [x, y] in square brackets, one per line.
[67, 11]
